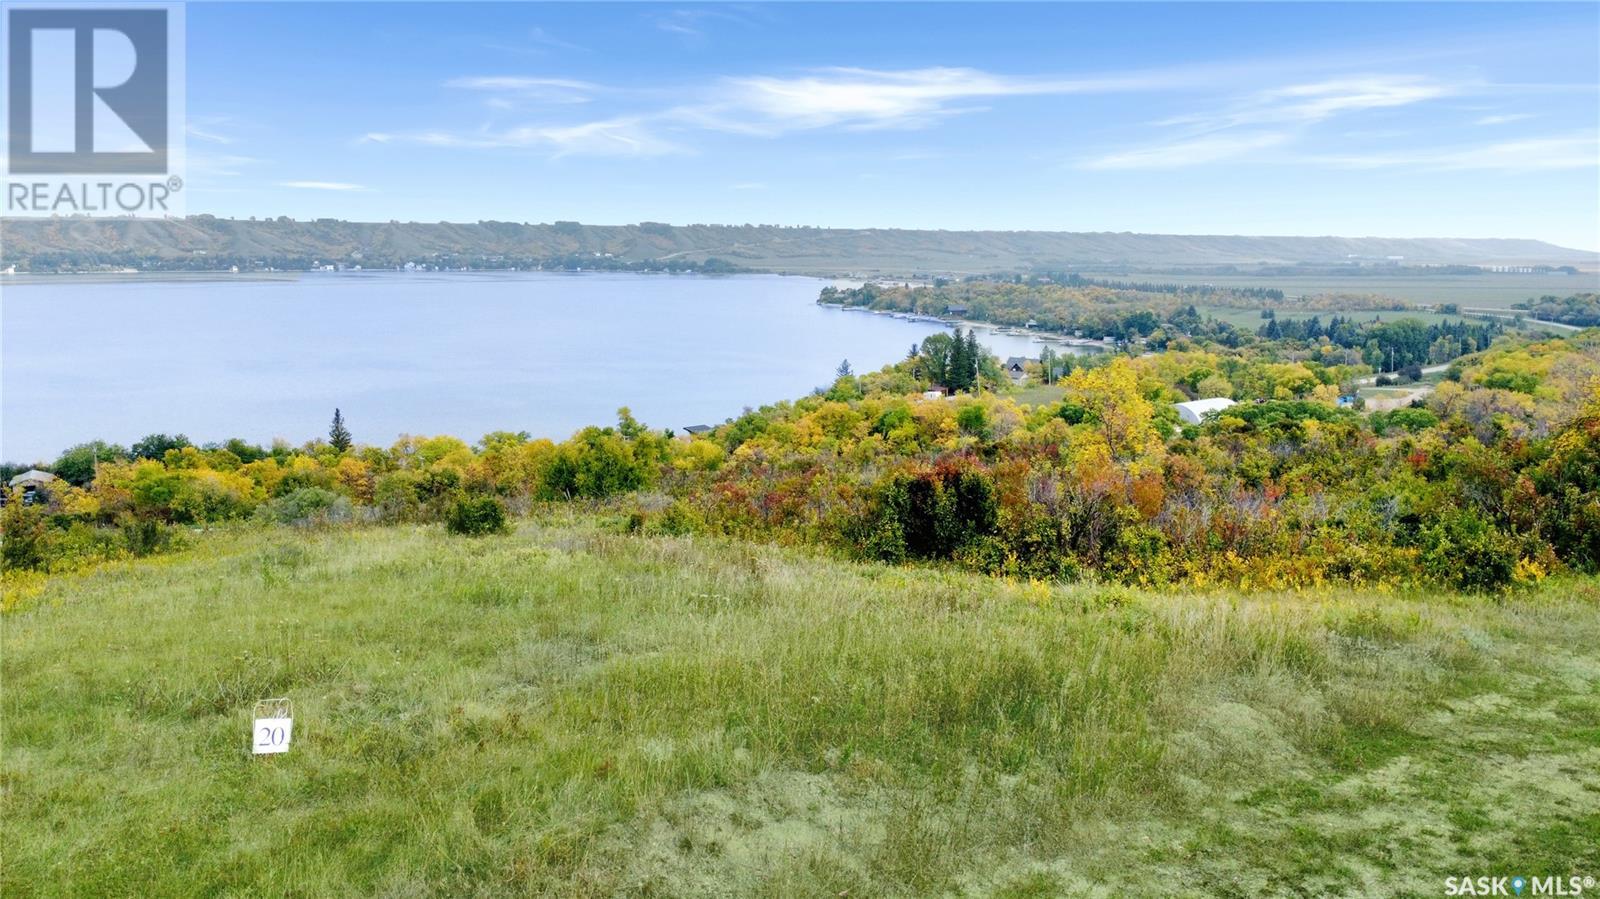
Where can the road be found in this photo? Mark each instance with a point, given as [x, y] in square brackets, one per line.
[1480, 312]
[1369, 380]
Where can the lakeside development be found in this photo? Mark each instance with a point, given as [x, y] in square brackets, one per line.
[577, 711]
[1179, 617]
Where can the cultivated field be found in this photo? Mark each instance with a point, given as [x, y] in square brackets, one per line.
[1250, 319]
[573, 711]
[1489, 290]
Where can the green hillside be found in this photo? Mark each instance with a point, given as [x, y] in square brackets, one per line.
[829, 250]
[572, 711]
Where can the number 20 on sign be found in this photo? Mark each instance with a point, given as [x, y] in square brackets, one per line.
[274, 726]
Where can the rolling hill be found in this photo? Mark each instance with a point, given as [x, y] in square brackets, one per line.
[773, 248]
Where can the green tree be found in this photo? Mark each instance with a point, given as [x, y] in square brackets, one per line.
[76, 465]
[155, 446]
[936, 352]
[338, 434]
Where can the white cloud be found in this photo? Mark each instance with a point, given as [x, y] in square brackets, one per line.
[507, 88]
[761, 106]
[1195, 151]
[1270, 118]
[865, 99]
[217, 166]
[321, 185]
[1533, 154]
[202, 133]
[1319, 101]
[1504, 119]
[624, 136]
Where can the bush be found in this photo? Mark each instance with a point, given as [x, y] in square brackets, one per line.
[306, 506]
[144, 536]
[27, 535]
[477, 516]
[1464, 552]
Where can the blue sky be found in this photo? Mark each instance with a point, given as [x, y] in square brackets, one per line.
[1440, 119]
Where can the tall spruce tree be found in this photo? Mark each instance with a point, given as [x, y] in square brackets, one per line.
[339, 435]
[974, 359]
[960, 363]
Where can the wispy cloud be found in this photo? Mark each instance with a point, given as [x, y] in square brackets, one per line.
[692, 25]
[1576, 151]
[623, 136]
[1504, 119]
[213, 165]
[1321, 100]
[858, 99]
[200, 132]
[763, 106]
[872, 99]
[1194, 151]
[322, 185]
[525, 88]
[1268, 119]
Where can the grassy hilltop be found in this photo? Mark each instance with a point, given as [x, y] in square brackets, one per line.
[573, 711]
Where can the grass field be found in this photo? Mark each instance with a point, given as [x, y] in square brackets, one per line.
[1251, 319]
[1490, 290]
[1036, 394]
[570, 711]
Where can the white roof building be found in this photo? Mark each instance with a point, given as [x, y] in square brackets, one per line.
[1195, 411]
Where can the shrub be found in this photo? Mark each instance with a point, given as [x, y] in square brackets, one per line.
[144, 536]
[477, 516]
[1462, 551]
[306, 506]
[27, 535]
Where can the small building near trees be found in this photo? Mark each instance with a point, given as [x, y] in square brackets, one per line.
[1195, 411]
[30, 482]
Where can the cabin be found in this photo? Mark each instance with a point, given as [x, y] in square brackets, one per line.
[1017, 367]
[936, 393]
[30, 482]
[955, 310]
[697, 430]
[1195, 411]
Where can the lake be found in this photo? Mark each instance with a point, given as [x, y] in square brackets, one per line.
[451, 353]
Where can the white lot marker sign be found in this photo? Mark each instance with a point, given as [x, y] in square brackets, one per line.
[274, 726]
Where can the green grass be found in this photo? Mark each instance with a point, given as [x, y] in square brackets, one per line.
[1251, 319]
[570, 711]
[1489, 290]
[1036, 394]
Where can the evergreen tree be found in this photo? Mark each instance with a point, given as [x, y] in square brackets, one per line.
[339, 435]
[844, 370]
[960, 364]
[974, 359]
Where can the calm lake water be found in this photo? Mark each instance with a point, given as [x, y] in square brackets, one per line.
[458, 353]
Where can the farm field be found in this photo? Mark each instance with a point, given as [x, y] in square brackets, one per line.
[570, 710]
[1487, 290]
[1251, 318]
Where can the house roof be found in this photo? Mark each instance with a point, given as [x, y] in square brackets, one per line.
[32, 476]
[697, 429]
[1017, 361]
[1198, 409]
